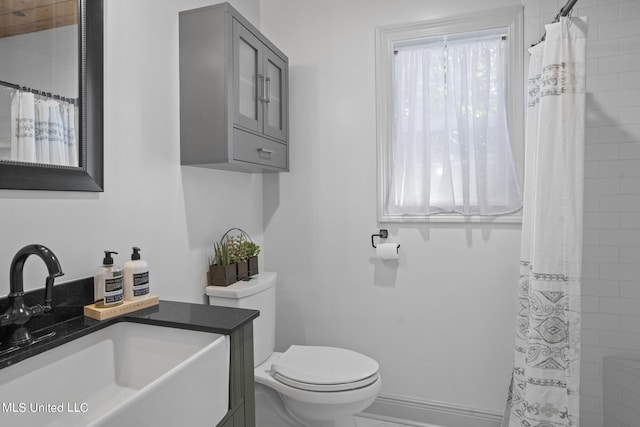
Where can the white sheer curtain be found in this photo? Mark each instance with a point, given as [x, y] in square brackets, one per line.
[43, 143]
[50, 134]
[23, 140]
[43, 130]
[546, 375]
[68, 115]
[451, 150]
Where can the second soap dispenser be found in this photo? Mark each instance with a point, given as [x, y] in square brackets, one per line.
[136, 277]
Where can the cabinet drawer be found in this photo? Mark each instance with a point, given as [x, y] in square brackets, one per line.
[251, 148]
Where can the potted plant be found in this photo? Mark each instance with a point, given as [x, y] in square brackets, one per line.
[242, 251]
[222, 272]
[237, 255]
[251, 251]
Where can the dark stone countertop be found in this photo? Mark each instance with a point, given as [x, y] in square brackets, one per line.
[67, 321]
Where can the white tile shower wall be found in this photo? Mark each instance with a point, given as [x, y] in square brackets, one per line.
[611, 257]
[621, 378]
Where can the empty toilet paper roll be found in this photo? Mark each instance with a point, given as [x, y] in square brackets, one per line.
[387, 251]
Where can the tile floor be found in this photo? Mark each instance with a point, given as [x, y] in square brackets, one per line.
[370, 422]
[367, 422]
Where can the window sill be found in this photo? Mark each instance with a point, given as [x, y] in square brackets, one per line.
[453, 218]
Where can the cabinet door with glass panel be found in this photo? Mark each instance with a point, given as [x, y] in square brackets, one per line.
[260, 84]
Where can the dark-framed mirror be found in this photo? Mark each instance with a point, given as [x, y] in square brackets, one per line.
[84, 173]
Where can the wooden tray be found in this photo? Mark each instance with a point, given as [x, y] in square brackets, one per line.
[104, 313]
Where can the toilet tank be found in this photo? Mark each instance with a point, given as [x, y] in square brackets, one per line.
[258, 293]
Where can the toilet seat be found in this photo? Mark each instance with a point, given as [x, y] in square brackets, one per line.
[324, 369]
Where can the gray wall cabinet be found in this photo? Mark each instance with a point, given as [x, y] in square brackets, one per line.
[234, 94]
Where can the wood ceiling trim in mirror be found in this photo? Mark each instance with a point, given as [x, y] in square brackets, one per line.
[28, 16]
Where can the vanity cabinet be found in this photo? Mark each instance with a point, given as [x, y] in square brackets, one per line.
[241, 386]
[233, 94]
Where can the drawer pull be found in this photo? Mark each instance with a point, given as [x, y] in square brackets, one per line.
[265, 151]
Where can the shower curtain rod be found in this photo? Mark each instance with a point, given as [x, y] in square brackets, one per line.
[564, 11]
[73, 101]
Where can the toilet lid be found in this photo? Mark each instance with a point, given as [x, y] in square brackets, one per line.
[324, 368]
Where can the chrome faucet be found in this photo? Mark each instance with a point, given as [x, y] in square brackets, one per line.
[18, 314]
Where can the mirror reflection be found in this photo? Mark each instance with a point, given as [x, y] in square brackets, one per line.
[39, 82]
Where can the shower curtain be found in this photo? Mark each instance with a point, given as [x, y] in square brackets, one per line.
[43, 130]
[544, 390]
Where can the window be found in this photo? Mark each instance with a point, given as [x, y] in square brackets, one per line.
[449, 130]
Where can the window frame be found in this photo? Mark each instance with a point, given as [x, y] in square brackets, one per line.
[509, 18]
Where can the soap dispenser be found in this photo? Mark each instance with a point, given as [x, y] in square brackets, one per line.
[136, 277]
[107, 282]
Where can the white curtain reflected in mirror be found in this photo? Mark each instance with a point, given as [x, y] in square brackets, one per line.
[43, 130]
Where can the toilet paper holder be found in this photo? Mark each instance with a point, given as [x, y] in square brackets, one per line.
[383, 234]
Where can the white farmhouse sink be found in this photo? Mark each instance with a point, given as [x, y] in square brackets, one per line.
[124, 374]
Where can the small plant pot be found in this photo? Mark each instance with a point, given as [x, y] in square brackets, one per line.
[222, 275]
[253, 265]
[242, 270]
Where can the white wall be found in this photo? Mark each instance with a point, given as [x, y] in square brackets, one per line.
[441, 321]
[45, 60]
[173, 213]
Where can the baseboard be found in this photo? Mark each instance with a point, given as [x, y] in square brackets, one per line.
[422, 413]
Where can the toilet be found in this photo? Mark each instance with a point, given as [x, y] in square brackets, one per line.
[310, 386]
